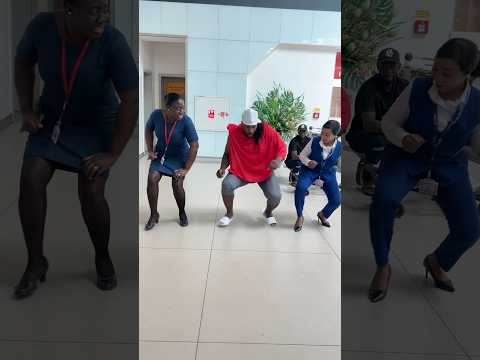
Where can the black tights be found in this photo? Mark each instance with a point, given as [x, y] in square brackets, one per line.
[35, 176]
[152, 192]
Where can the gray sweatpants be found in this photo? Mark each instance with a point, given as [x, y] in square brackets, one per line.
[270, 188]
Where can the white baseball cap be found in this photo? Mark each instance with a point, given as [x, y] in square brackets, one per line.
[250, 117]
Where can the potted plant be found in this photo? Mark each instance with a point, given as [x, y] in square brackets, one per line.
[282, 109]
[367, 26]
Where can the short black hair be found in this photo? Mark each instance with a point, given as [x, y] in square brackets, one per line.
[172, 98]
[463, 51]
[333, 125]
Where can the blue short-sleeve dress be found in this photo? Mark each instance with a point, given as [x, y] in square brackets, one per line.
[88, 122]
[177, 151]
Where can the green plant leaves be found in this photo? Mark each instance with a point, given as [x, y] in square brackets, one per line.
[367, 26]
[281, 109]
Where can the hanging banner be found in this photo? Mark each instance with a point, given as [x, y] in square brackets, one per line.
[338, 66]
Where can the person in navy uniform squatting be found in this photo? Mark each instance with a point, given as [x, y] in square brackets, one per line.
[173, 156]
[430, 125]
[82, 127]
[319, 159]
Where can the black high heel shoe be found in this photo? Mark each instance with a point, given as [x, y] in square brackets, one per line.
[183, 219]
[376, 294]
[152, 221]
[441, 284]
[322, 221]
[28, 283]
[298, 226]
[106, 277]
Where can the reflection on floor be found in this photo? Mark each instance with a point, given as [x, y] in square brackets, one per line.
[243, 292]
[416, 321]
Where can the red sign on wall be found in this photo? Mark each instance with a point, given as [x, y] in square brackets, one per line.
[211, 114]
[338, 67]
[421, 27]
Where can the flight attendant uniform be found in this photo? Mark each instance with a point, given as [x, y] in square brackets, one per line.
[447, 129]
[327, 159]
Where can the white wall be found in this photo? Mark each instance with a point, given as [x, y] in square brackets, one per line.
[6, 61]
[310, 72]
[226, 43]
[146, 54]
[161, 58]
[168, 59]
[158, 58]
[441, 23]
[475, 37]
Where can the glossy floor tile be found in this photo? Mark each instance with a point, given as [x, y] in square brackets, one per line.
[272, 298]
[172, 285]
[74, 351]
[167, 350]
[208, 351]
[416, 318]
[248, 291]
[346, 355]
[68, 310]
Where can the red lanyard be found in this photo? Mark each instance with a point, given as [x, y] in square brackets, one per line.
[68, 85]
[169, 136]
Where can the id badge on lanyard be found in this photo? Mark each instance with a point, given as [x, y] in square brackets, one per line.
[168, 138]
[428, 186]
[67, 85]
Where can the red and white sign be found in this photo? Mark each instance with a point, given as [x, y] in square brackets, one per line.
[421, 27]
[338, 66]
[211, 114]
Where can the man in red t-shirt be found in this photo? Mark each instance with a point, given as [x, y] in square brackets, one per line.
[254, 150]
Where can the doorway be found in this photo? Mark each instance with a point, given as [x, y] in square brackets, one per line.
[169, 84]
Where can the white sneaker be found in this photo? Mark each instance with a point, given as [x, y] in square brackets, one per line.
[224, 221]
[271, 221]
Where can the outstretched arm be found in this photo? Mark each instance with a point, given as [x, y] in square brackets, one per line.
[225, 163]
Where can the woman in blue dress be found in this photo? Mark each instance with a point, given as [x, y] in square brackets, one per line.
[173, 155]
[430, 125]
[319, 159]
[80, 127]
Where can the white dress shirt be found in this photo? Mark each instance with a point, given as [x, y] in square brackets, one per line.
[307, 150]
[394, 120]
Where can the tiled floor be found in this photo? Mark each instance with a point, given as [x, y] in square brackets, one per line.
[68, 317]
[243, 292]
[416, 321]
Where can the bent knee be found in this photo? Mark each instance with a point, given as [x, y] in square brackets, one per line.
[275, 197]
[227, 188]
[153, 177]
